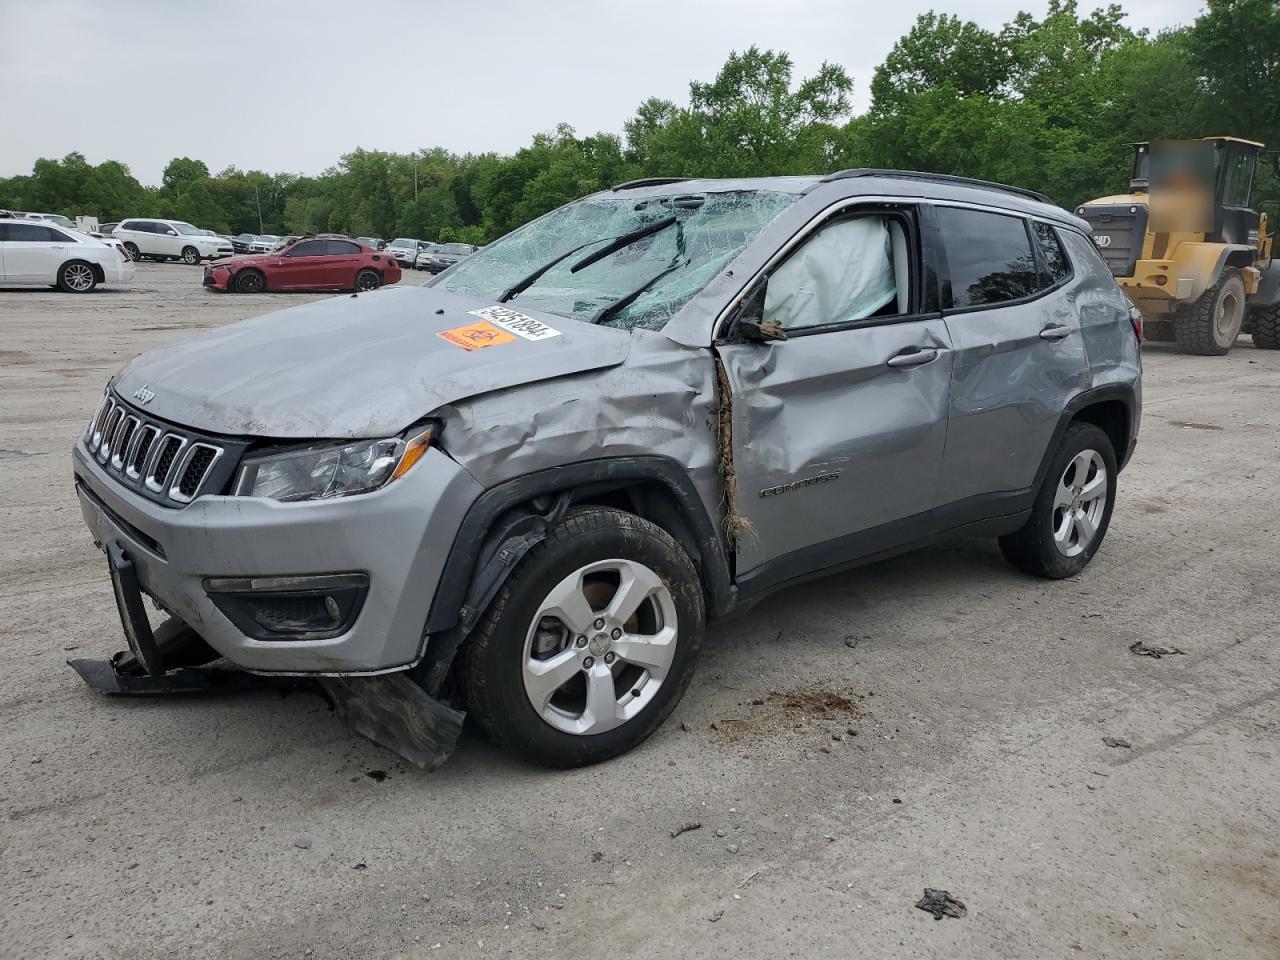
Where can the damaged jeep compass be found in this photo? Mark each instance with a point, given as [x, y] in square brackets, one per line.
[521, 490]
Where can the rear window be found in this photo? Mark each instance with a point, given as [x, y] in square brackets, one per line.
[989, 257]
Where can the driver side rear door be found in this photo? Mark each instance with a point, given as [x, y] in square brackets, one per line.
[838, 431]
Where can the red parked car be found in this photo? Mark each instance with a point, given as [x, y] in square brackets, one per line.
[310, 263]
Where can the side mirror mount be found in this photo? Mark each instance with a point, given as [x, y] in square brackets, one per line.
[172, 233]
[750, 323]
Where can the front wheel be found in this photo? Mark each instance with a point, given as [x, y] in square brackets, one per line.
[1209, 326]
[1266, 326]
[76, 277]
[190, 255]
[132, 250]
[250, 281]
[589, 644]
[1072, 509]
[368, 280]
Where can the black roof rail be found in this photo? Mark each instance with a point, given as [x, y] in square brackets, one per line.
[936, 178]
[648, 182]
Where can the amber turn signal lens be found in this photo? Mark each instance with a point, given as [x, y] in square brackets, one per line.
[413, 452]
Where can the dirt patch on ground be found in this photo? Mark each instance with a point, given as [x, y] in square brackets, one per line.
[803, 711]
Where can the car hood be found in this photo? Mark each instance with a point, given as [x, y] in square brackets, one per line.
[245, 260]
[357, 366]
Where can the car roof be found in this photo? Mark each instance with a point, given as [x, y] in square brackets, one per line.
[863, 181]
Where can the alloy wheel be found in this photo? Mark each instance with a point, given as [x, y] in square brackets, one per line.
[1079, 502]
[79, 277]
[600, 647]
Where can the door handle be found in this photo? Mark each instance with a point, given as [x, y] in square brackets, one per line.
[57, 248]
[913, 359]
[1055, 333]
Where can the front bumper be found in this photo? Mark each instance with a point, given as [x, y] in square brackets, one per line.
[399, 536]
[217, 278]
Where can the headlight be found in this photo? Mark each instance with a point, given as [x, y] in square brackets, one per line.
[319, 473]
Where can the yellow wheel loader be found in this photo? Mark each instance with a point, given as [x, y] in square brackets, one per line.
[1187, 247]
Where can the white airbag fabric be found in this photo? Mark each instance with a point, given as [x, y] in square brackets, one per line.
[845, 272]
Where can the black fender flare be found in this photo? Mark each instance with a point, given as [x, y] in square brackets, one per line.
[507, 520]
[1125, 393]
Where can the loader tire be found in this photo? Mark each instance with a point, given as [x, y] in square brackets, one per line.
[1266, 326]
[1209, 326]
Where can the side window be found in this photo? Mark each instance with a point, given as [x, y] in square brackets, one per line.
[1055, 260]
[32, 233]
[988, 255]
[848, 270]
[308, 248]
[342, 248]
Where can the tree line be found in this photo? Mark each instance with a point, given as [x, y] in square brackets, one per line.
[1049, 103]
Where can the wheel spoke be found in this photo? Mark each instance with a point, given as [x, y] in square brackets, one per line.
[568, 603]
[636, 585]
[544, 677]
[654, 652]
[1096, 487]
[601, 711]
[1062, 494]
[1062, 532]
[1085, 528]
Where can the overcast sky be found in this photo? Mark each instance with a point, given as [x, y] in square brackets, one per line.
[290, 86]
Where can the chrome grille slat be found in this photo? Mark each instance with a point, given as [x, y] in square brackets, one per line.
[120, 442]
[139, 455]
[167, 464]
[192, 469]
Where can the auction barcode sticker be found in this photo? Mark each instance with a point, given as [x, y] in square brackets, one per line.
[518, 323]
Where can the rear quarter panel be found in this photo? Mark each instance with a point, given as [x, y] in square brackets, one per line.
[1115, 356]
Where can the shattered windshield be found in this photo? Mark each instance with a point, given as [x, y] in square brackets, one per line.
[668, 266]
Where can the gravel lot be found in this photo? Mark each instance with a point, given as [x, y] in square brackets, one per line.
[258, 826]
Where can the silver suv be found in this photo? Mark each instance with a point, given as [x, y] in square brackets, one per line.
[523, 488]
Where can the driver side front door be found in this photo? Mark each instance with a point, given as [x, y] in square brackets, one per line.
[838, 430]
[301, 267]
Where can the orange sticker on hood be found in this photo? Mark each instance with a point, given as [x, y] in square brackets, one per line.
[476, 336]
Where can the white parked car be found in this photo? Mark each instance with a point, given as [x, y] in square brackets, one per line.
[169, 240]
[57, 218]
[264, 243]
[38, 252]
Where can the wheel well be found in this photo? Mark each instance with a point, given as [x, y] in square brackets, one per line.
[241, 273]
[1112, 417]
[653, 501]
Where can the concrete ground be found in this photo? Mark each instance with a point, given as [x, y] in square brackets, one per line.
[969, 755]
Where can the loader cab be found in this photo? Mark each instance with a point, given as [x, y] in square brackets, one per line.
[1222, 169]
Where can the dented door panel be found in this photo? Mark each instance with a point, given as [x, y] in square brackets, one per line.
[829, 440]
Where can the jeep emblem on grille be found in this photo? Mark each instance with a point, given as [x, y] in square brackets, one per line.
[144, 394]
[1102, 240]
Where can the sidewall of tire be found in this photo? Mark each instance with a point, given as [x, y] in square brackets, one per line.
[495, 652]
[62, 272]
[240, 276]
[1032, 549]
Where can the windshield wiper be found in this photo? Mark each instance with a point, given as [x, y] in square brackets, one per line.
[604, 313]
[617, 243]
[624, 241]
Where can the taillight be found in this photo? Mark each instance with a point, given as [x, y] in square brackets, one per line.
[1135, 318]
[123, 252]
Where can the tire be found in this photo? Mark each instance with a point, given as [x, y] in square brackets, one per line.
[250, 281]
[1039, 548]
[190, 255]
[588, 555]
[76, 276]
[1209, 327]
[367, 280]
[1158, 331]
[132, 250]
[1266, 327]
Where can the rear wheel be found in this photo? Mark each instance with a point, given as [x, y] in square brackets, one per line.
[1266, 326]
[132, 250]
[190, 255]
[1209, 326]
[250, 281]
[589, 644]
[1072, 509]
[368, 280]
[76, 277]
